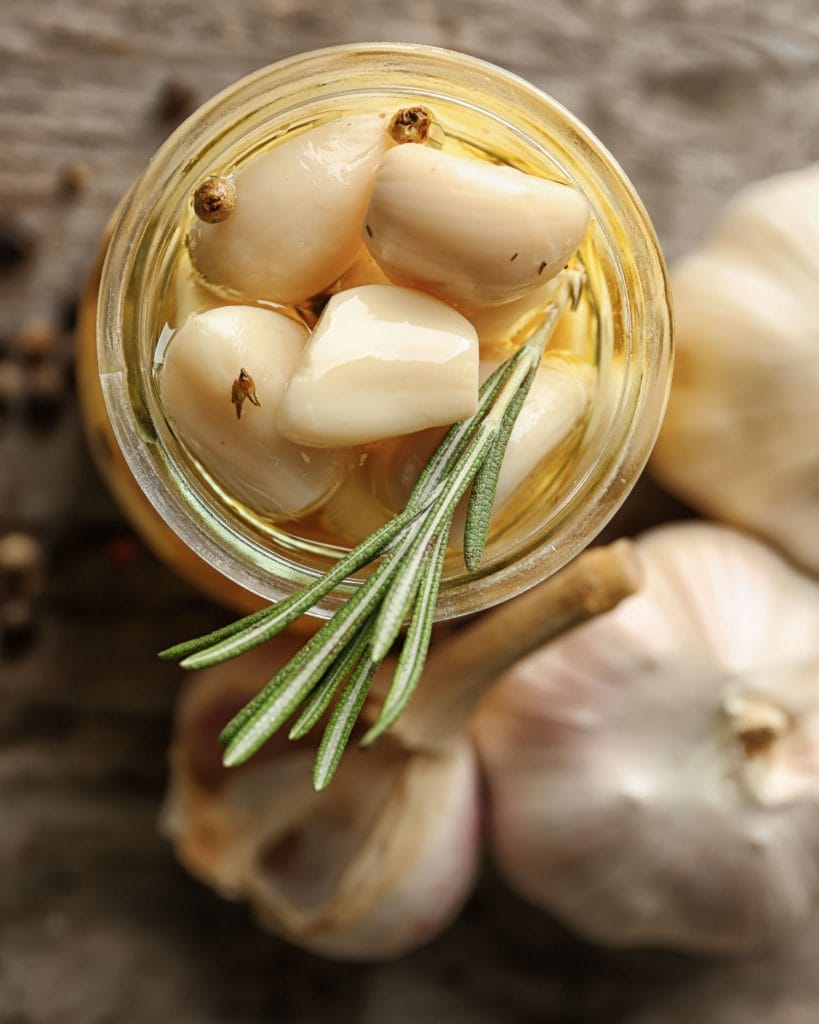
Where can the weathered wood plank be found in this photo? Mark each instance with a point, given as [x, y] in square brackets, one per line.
[97, 923]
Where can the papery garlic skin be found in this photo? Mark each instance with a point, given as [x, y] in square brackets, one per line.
[246, 455]
[295, 228]
[740, 439]
[370, 868]
[382, 361]
[632, 791]
[470, 232]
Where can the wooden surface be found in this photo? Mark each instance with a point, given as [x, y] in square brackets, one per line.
[97, 923]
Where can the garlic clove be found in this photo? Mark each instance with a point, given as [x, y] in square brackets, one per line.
[369, 868]
[245, 453]
[295, 226]
[382, 361]
[470, 232]
[395, 464]
[554, 409]
[654, 775]
[513, 321]
[354, 512]
[742, 422]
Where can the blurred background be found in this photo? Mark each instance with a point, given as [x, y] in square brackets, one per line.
[97, 921]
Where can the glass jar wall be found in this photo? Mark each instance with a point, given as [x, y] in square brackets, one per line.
[240, 558]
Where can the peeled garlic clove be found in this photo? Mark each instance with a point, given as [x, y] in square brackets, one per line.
[559, 398]
[554, 408]
[354, 512]
[654, 775]
[369, 868]
[295, 227]
[245, 454]
[395, 465]
[470, 232]
[382, 361]
[513, 320]
[740, 440]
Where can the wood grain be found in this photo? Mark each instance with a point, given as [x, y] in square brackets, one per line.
[97, 923]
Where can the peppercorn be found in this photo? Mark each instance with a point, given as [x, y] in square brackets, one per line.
[214, 200]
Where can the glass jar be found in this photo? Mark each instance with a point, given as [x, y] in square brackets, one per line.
[242, 560]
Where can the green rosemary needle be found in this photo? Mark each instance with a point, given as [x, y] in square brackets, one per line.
[346, 652]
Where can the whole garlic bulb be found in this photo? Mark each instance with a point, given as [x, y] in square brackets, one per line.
[741, 436]
[654, 775]
[381, 860]
[369, 868]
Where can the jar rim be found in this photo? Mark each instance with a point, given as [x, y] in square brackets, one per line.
[166, 182]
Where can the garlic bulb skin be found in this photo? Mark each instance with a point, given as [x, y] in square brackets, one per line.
[382, 361]
[654, 775]
[470, 232]
[740, 439]
[295, 228]
[371, 867]
[246, 453]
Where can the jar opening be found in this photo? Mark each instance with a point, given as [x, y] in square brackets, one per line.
[488, 107]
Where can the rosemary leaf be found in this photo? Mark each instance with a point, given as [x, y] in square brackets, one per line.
[411, 548]
[402, 589]
[279, 616]
[324, 692]
[256, 722]
[414, 651]
[208, 639]
[457, 437]
[337, 734]
[482, 498]
[274, 690]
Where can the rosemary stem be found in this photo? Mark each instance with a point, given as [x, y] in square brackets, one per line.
[346, 652]
[280, 615]
[324, 692]
[458, 436]
[419, 632]
[270, 709]
[402, 588]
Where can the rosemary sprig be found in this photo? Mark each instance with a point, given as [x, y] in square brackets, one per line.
[346, 652]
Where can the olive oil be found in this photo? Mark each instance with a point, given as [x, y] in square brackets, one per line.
[381, 474]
